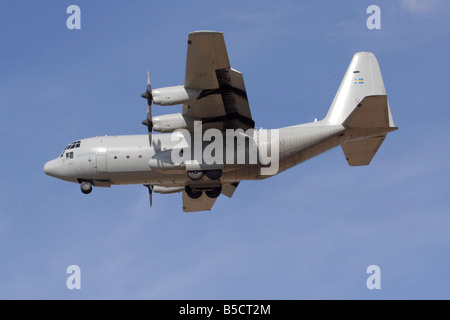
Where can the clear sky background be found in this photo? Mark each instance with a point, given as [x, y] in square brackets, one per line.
[307, 233]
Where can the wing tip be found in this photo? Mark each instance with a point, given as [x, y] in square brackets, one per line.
[206, 32]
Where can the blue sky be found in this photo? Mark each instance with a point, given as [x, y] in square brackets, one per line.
[307, 233]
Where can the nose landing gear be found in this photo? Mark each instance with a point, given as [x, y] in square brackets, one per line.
[86, 187]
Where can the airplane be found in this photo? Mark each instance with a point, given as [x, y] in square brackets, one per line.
[214, 103]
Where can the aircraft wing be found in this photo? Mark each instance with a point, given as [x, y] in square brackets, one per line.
[201, 204]
[223, 102]
[205, 203]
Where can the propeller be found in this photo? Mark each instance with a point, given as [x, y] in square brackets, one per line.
[148, 122]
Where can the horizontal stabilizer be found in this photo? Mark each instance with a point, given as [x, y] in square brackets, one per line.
[371, 112]
[368, 125]
[361, 152]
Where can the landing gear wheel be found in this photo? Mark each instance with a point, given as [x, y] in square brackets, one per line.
[214, 174]
[193, 194]
[86, 187]
[214, 193]
[195, 175]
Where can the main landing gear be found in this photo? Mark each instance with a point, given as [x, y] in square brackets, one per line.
[86, 187]
[195, 175]
[211, 174]
[196, 192]
[214, 192]
[193, 193]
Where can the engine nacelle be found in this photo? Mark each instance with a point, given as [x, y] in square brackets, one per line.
[171, 122]
[170, 96]
[167, 190]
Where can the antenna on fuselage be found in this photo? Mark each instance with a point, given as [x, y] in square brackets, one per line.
[148, 122]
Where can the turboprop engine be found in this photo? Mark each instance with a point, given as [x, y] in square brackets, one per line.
[167, 96]
[170, 96]
[172, 122]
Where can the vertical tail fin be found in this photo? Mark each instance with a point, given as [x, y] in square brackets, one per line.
[361, 105]
[363, 78]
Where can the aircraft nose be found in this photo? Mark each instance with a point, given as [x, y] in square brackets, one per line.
[51, 168]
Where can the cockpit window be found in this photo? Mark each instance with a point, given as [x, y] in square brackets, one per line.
[69, 155]
[73, 145]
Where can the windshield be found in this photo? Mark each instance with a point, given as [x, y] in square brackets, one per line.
[72, 145]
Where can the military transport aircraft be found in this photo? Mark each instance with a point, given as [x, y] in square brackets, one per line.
[208, 148]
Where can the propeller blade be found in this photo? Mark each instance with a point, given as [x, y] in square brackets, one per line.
[148, 95]
[150, 136]
[151, 199]
[149, 114]
[150, 193]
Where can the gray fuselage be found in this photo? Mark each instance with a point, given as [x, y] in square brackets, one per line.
[116, 160]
